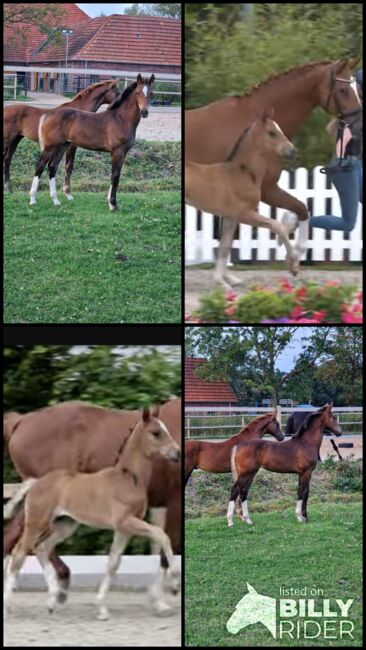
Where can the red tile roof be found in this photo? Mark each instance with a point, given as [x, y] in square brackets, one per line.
[20, 49]
[118, 38]
[199, 390]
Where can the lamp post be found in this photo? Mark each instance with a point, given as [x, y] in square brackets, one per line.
[67, 32]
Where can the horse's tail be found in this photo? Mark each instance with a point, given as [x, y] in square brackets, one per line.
[192, 448]
[13, 505]
[234, 469]
[11, 421]
[40, 131]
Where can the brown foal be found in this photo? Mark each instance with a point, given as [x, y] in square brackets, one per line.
[232, 189]
[216, 456]
[21, 121]
[298, 455]
[114, 131]
[115, 498]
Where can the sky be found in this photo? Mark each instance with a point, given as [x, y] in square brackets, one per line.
[94, 9]
[286, 360]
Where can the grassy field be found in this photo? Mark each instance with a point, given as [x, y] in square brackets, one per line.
[80, 263]
[275, 552]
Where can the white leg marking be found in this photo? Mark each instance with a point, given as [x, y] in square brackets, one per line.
[33, 190]
[67, 194]
[118, 545]
[157, 518]
[298, 510]
[51, 579]
[245, 510]
[156, 596]
[53, 192]
[230, 512]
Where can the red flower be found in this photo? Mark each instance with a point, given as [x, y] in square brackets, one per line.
[230, 311]
[302, 292]
[286, 286]
[231, 295]
[319, 315]
[297, 312]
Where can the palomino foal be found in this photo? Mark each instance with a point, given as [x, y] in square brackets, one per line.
[114, 130]
[232, 189]
[114, 498]
[298, 455]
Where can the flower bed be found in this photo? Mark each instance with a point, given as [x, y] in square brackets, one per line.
[309, 303]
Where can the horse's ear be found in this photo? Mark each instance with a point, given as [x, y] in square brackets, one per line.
[152, 79]
[330, 405]
[146, 414]
[139, 79]
[251, 589]
[340, 65]
[155, 410]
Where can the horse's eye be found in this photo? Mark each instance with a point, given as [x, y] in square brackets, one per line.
[272, 134]
[344, 91]
[156, 434]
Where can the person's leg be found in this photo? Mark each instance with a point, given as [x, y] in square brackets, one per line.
[347, 186]
[360, 176]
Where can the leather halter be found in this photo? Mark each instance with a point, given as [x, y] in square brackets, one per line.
[332, 95]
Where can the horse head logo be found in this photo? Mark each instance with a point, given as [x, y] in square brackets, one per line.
[253, 608]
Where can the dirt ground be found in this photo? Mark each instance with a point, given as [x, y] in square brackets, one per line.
[74, 625]
[200, 281]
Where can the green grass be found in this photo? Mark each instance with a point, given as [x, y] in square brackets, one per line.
[148, 167]
[275, 552]
[80, 263]
[207, 494]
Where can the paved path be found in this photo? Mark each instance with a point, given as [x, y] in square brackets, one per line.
[74, 625]
[200, 281]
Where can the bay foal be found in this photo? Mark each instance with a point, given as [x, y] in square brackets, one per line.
[114, 498]
[233, 188]
[22, 121]
[114, 131]
[298, 455]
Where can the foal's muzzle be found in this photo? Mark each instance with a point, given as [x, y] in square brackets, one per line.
[144, 113]
[289, 152]
[174, 455]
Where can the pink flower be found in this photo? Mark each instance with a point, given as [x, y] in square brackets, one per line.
[286, 286]
[319, 315]
[348, 317]
[231, 295]
[297, 312]
[302, 292]
[230, 311]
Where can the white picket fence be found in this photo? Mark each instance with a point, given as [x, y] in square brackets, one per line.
[200, 242]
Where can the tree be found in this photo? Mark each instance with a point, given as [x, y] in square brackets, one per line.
[166, 9]
[247, 356]
[43, 16]
[343, 363]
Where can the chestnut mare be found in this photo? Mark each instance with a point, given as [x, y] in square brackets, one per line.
[298, 455]
[216, 456]
[114, 498]
[78, 436]
[212, 131]
[23, 122]
[114, 130]
[232, 189]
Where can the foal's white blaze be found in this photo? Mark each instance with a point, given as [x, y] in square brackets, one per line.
[230, 512]
[53, 192]
[298, 510]
[33, 190]
[245, 510]
[144, 90]
[354, 88]
[278, 127]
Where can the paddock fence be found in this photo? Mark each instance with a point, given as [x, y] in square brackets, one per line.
[260, 245]
[219, 422]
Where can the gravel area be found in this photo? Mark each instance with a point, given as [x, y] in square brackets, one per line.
[131, 622]
[200, 281]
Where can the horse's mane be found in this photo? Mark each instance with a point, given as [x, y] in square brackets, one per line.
[237, 144]
[253, 423]
[305, 425]
[123, 96]
[86, 91]
[301, 69]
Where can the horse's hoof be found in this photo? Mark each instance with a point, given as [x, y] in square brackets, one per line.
[248, 521]
[56, 203]
[62, 597]
[232, 279]
[230, 524]
[103, 614]
[112, 208]
[69, 197]
[162, 609]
